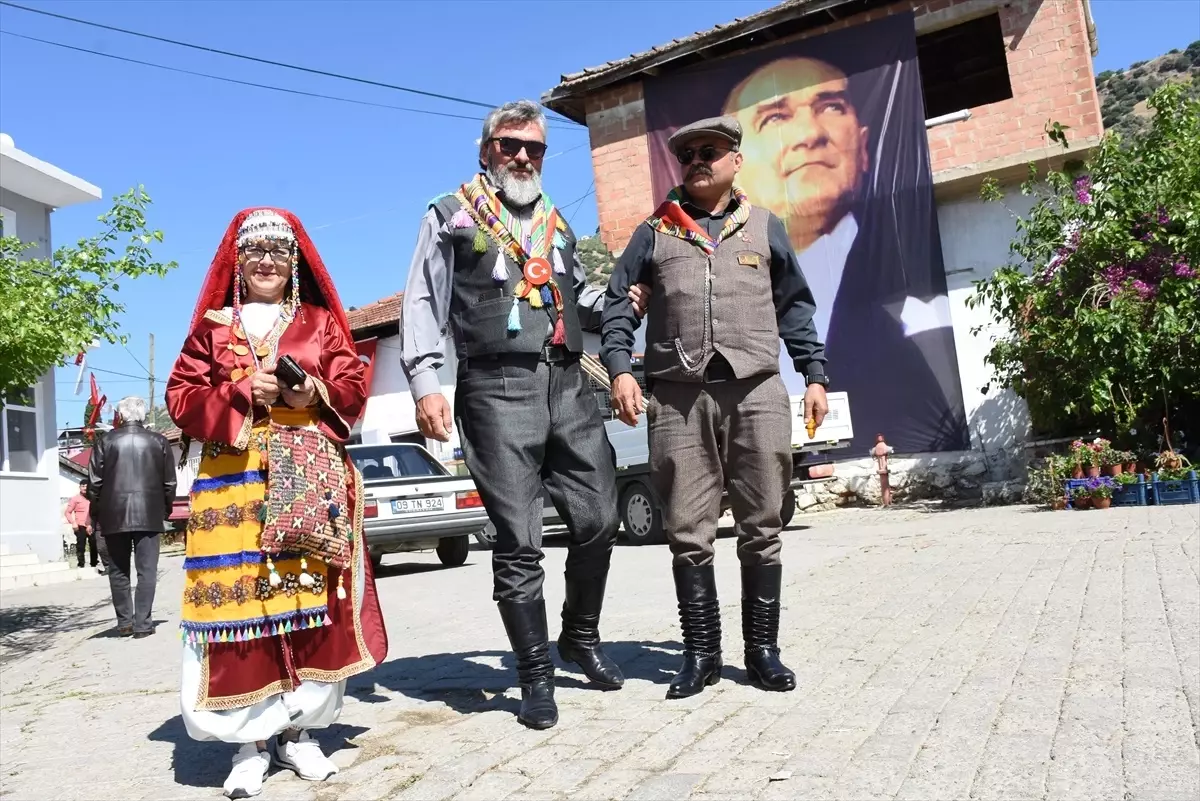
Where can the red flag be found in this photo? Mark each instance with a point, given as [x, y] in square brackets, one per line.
[366, 355]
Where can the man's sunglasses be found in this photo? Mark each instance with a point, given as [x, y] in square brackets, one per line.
[707, 153]
[510, 147]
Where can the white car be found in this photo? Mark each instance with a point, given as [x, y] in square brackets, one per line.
[413, 503]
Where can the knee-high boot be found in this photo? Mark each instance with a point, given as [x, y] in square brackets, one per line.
[700, 619]
[760, 628]
[579, 641]
[525, 623]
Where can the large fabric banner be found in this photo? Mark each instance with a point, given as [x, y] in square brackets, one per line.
[834, 145]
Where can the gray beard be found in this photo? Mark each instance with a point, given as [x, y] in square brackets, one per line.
[517, 192]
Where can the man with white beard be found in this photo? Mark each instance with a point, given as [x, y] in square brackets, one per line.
[496, 261]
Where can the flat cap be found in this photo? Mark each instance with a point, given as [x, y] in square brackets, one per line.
[724, 127]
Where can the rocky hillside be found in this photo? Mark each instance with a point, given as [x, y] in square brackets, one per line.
[1123, 93]
[596, 259]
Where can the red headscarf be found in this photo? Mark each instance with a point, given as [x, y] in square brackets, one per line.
[316, 287]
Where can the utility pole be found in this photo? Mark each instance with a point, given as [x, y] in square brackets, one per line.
[153, 421]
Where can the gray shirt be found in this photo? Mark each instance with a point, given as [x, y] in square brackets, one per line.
[425, 309]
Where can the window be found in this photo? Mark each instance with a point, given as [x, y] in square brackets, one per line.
[8, 222]
[20, 447]
[384, 462]
[963, 66]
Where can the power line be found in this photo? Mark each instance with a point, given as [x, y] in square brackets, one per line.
[252, 83]
[123, 375]
[205, 49]
[585, 196]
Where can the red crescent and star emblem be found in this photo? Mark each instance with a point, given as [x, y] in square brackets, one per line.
[537, 271]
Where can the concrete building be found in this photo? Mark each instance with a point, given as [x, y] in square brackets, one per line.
[992, 73]
[30, 190]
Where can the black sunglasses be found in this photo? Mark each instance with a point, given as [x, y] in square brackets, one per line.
[707, 153]
[510, 147]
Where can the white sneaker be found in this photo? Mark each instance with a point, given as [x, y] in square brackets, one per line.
[250, 767]
[304, 757]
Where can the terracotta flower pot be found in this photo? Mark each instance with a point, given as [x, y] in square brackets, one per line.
[1101, 503]
[1078, 471]
[1058, 504]
[1093, 471]
[1083, 503]
[1131, 467]
[1114, 469]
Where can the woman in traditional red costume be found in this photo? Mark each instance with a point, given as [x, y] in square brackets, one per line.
[279, 603]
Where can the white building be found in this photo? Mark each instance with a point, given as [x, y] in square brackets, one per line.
[30, 189]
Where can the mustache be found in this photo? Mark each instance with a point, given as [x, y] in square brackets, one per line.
[699, 169]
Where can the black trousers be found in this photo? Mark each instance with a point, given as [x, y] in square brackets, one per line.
[524, 424]
[85, 541]
[128, 552]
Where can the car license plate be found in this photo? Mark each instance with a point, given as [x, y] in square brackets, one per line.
[405, 505]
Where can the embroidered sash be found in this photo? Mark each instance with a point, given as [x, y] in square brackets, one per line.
[672, 220]
[536, 254]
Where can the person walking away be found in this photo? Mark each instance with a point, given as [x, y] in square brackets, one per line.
[78, 518]
[724, 287]
[131, 484]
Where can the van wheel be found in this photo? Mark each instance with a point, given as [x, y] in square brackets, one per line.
[640, 516]
[789, 507]
[453, 550]
[376, 561]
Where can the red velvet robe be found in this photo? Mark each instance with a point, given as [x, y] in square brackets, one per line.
[207, 405]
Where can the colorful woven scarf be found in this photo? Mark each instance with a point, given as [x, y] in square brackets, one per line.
[536, 255]
[672, 220]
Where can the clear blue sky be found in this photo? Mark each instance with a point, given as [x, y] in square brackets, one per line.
[358, 176]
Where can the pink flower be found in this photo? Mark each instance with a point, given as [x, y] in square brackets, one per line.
[1182, 270]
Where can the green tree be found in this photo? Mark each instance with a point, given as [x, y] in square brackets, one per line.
[595, 259]
[1100, 310]
[51, 308]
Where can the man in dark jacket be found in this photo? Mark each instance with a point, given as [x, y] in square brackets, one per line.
[131, 484]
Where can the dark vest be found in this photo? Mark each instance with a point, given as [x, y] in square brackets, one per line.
[480, 307]
[723, 303]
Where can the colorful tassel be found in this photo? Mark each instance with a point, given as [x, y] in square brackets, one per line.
[461, 219]
[514, 318]
[341, 591]
[334, 511]
[557, 262]
[500, 269]
[306, 579]
[547, 295]
[560, 241]
[262, 513]
[535, 300]
[560, 332]
[480, 243]
[329, 622]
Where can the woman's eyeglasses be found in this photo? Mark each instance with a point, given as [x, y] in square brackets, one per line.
[278, 255]
[707, 153]
[511, 147]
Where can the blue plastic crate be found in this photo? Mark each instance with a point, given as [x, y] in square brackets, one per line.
[1131, 494]
[1167, 493]
[1071, 483]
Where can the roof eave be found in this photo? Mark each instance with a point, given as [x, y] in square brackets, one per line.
[566, 98]
[42, 182]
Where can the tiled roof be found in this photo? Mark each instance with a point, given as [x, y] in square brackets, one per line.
[564, 97]
[381, 312]
[72, 466]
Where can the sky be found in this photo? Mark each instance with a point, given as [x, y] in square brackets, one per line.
[358, 176]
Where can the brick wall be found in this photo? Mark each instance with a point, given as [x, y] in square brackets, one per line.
[1049, 65]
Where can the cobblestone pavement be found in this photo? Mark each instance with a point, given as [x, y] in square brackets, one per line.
[989, 653]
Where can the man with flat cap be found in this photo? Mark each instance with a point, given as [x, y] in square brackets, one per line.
[724, 288]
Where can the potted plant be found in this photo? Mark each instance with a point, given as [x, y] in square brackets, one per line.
[1081, 498]
[1114, 461]
[1100, 490]
[1130, 459]
[1081, 455]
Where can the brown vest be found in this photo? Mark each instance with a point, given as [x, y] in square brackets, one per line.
[704, 304]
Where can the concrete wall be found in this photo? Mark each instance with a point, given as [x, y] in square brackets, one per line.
[1050, 68]
[29, 502]
[33, 222]
[390, 408]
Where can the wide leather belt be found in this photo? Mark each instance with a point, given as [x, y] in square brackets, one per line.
[550, 354]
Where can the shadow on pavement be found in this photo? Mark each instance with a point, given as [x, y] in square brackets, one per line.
[206, 764]
[26, 629]
[470, 682]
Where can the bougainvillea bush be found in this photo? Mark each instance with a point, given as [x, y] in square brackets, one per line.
[1100, 305]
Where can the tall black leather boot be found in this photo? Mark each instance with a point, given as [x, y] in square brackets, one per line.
[700, 618]
[579, 641]
[525, 622]
[760, 628]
